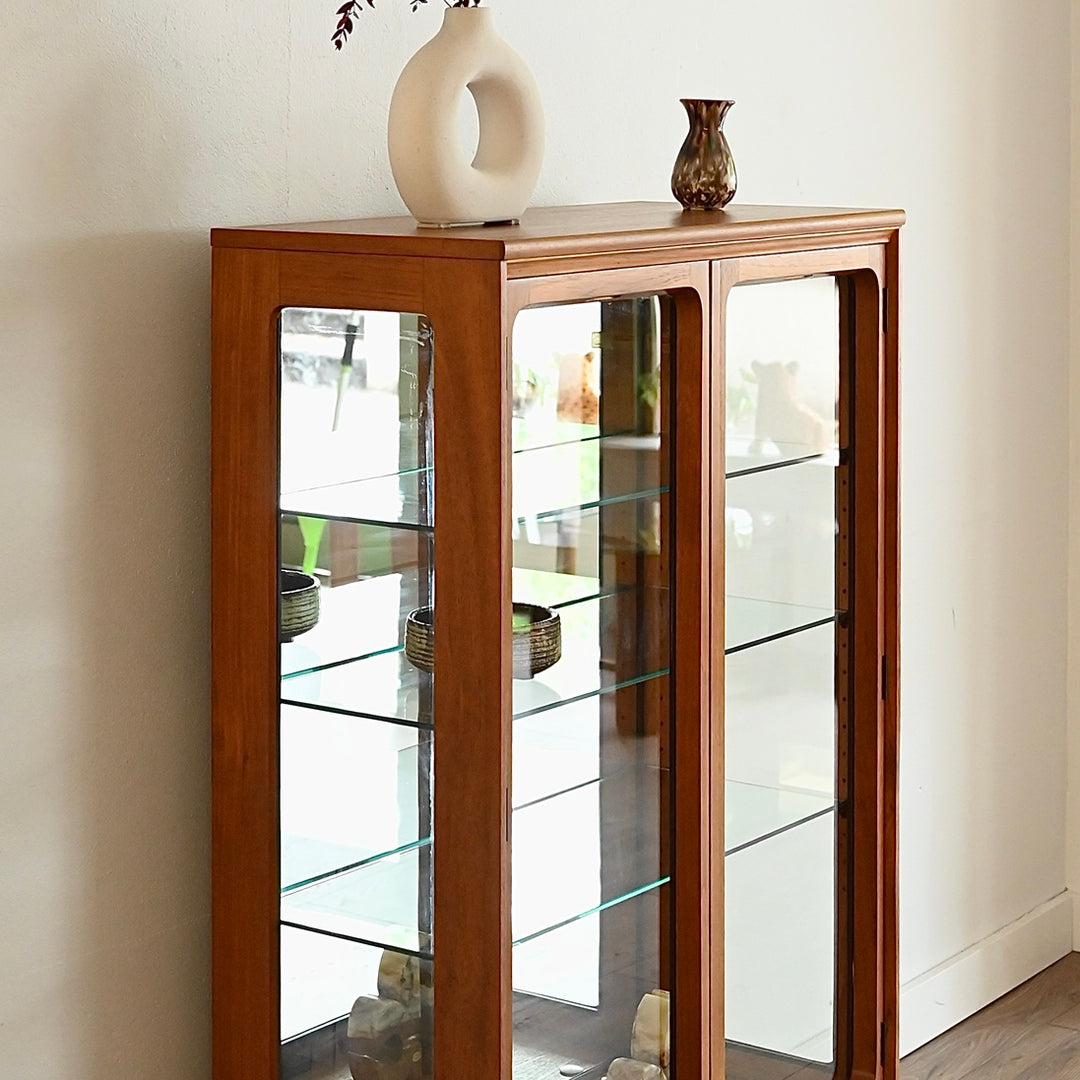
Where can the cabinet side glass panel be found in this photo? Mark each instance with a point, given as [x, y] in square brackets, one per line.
[786, 446]
[592, 724]
[356, 547]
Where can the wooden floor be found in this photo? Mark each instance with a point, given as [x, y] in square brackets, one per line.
[1033, 1033]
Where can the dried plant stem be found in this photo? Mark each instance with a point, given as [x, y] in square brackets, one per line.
[348, 12]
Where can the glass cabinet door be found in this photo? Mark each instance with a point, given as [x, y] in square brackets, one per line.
[592, 713]
[786, 564]
[356, 726]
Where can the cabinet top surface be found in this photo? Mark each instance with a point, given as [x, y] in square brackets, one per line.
[565, 231]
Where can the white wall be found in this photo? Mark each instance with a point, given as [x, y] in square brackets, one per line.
[1073, 831]
[130, 127]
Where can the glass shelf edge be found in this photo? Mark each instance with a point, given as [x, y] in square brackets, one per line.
[423, 954]
[641, 890]
[353, 867]
[539, 447]
[831, 458]
[832, 808]
[421, 725]
[429, 530]
[428, 725]
[352, 519]
[767, 639]
[420, 954]
[329, 666]
[602, 691]
[424, 841]
[595, 504]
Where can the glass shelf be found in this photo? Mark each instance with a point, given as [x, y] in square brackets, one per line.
[557, 868]
[362, 618]
[780, 952]
[532, 433]
[365, 618]
[548, 481]
[351, 793]
[355, 454]
[388, 687]
[557, 863]
[374, 905]
[382, 687]
[781, 733]
[740, 459]
[397, 500]
[551, 589]
[756, 622]
[754, 813]
[586, 849]
[385, 686]
[577, 995]
[320, 979]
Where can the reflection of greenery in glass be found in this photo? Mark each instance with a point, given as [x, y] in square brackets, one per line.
[521, 622]
[649, 389]
[740, 401]
[311, 529]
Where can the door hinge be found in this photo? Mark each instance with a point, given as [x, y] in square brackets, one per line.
[884, 1041]
[884, 678]
[885, 311]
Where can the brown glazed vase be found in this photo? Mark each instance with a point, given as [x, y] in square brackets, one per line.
[704, 174]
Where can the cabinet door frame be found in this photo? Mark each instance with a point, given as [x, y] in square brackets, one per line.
[462, 300]
[867, 968]
[697, 1044]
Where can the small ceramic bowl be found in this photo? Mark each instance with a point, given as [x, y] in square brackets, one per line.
[537, 639]
[299, 610]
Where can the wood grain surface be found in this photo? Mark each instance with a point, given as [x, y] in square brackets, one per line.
[1032, 1033]
[244, 692]
[473, 1020]
[566, 232]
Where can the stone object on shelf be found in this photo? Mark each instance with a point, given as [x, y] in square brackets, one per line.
[405, 1063]
[650, 1040]
[399, 977]
[375, 1017]
[629, 1069]
[383, 1040]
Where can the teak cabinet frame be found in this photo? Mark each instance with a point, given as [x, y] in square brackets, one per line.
[471, 283]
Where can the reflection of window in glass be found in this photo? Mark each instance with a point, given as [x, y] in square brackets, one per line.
[556, 371]
[589, 512]
[356, 742]
[782, 456]
[348, 386]
[782, 375]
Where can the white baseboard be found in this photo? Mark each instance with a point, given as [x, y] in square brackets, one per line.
[940, 998]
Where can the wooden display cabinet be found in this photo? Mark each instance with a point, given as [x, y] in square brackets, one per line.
[670, 854]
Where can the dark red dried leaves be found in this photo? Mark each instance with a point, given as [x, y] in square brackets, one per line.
[351, 8]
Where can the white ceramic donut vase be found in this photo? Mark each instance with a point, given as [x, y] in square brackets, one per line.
[438, 183]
